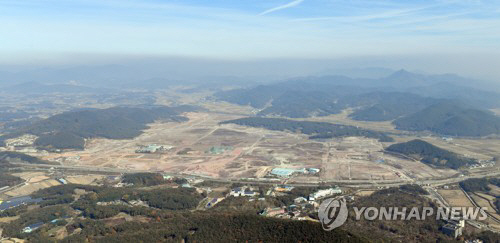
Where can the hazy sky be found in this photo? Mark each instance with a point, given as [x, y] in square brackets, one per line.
[248, 29]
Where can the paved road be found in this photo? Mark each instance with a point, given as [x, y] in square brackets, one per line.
[355, 184]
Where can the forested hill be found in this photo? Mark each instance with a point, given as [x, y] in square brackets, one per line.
[385, 106]
[451, 118]
[69, 129]
[314, 129]
[430, 154]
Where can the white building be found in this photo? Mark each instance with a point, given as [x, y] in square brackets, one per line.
[324, 193]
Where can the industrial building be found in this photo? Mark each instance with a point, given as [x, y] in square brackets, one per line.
[313, 170]
[453, 228]
[324, 193]
[286, 172]
[242, 191]
[63, 181]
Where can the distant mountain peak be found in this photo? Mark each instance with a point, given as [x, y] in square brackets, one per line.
[402, 73]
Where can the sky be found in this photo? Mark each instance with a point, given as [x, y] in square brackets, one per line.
[54, 31]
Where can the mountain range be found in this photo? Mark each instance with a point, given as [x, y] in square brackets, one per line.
[414, 102]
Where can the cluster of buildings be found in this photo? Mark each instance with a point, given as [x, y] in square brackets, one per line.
[32, 227]
[483, 164]
[287, 172]
[22, 141]
[18, 201]
[302, 206]
[243, 191]
[296, 212]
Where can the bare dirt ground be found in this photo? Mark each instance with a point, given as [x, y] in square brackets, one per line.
[32, 187]
[8, 219]
[32, 177]
[39, 180]
[482, 201]
[84, 180]
[364, 193]
[495, 190]
[455, 197]
[254, 151]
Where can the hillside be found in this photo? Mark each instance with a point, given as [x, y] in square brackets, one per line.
[451, 118]
[296, 104]
[385, 106]
[316, 130]
[448, 90]
[69, 129]
[399, 94]
[430, 154]
[40, 88]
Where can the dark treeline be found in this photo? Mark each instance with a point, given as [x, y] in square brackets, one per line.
[316, 130]
[442, 108]
[431, 154]
[169, 198]
[9, 180]
[211, 227]
[44, 215]
[144, 179]
[479, 184]
[10, 156]
[92, 223]
[69, 129]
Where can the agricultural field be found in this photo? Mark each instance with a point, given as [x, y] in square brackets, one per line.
[455, 198]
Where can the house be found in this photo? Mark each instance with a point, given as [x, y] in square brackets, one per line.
[313, 170]
[32, 227]
[273, 211]
[283, 188]
[213, 202]
[299, 200]
[236, 192]
[63, 181]
[242, 191]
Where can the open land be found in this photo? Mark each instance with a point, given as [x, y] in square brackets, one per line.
[253, 152]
